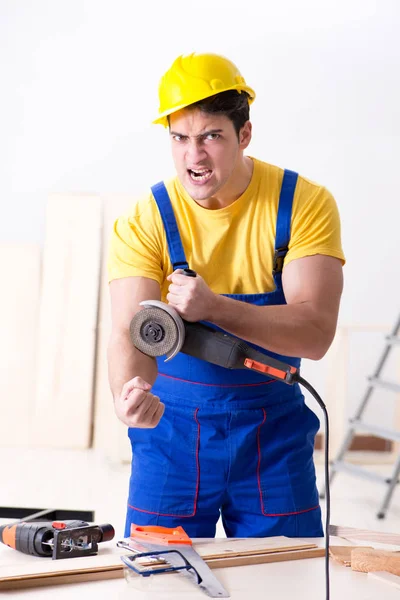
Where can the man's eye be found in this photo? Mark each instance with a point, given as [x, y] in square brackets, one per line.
[213, 136]
[178, 138]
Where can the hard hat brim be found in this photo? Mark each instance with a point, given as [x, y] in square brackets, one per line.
[162, 117]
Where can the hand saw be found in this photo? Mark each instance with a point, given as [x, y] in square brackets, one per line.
[174, 546]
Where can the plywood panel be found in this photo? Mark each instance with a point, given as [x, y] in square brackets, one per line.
[110, 435]
[20, 282]
[68, 321]
[217, 553]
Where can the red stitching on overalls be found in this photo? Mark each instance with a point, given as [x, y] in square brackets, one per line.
[219, 384]
[298, 512]
[197, 481]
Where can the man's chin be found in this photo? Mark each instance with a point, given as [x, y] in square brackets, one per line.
[200, 192]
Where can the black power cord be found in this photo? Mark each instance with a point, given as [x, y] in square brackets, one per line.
[320, 402]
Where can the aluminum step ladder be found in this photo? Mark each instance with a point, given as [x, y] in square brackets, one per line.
[356, 424]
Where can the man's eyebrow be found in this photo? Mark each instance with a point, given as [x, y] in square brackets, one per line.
[205, 133]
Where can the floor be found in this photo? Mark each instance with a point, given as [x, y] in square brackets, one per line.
[86, 480]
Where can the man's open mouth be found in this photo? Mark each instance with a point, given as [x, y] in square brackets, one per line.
[200, 174]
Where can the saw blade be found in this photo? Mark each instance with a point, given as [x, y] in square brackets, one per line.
[200, 574]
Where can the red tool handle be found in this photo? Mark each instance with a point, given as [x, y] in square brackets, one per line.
[160, 535]
[284, 372]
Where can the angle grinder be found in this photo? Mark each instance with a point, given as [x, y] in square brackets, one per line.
[158, 330]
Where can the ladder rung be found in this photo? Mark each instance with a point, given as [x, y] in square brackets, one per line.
[393, 340]
[388, 385]
[360, 472]
[386, 434]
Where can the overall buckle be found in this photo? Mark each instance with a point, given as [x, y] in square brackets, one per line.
[279, 257]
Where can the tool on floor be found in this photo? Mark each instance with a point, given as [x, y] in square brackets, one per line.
[356, 424]
[58, 539]
[175, 547]
[158, 330]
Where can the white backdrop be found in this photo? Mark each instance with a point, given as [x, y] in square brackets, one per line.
[79, 88]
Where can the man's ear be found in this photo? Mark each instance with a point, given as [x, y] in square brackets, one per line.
[245, 135]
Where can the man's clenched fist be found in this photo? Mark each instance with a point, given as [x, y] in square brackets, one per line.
[137, 406]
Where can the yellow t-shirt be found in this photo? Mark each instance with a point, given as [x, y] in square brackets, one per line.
[232, 248]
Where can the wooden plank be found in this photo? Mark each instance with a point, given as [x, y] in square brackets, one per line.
[231, 547]
[107, 564]
[109, 434]
[383, 577]
[19, 305]
[68, 321]
[53, 579]
[354, 533]
[258, 559]
[342, 554]
[375, 560]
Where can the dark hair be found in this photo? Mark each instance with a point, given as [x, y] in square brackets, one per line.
[232, 104]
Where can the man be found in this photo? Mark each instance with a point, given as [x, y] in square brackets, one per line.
[208, 441]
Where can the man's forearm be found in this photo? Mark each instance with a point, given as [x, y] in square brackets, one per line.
[126, 362]
[290, 329]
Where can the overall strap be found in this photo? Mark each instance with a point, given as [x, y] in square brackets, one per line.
[283, 222]
[176, 252]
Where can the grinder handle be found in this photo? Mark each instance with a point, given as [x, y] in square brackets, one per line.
[189, 272]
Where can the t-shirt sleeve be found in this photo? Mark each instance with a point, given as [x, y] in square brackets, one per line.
[315, 225]
[135, 247]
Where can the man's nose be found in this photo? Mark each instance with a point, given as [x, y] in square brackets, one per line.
[195, 152]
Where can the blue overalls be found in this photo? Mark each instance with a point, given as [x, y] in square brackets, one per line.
[231, 442]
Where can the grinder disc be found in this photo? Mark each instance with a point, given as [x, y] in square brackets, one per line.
[157, 330]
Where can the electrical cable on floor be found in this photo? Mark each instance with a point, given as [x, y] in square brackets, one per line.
[320, 402]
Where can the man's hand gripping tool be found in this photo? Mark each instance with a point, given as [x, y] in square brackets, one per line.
[159, 330]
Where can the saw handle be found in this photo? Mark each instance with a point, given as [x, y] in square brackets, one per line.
[160, 535]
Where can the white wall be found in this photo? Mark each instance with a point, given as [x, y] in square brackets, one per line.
[79, 82]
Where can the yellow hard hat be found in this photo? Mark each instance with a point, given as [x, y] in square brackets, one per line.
[193, 77]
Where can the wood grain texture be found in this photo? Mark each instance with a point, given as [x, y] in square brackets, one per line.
[342, 554]
[68, 321]
[375, 560]
[236, 547]
[258, 559]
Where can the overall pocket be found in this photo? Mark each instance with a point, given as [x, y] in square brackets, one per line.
[286, 473]
[165, 470]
